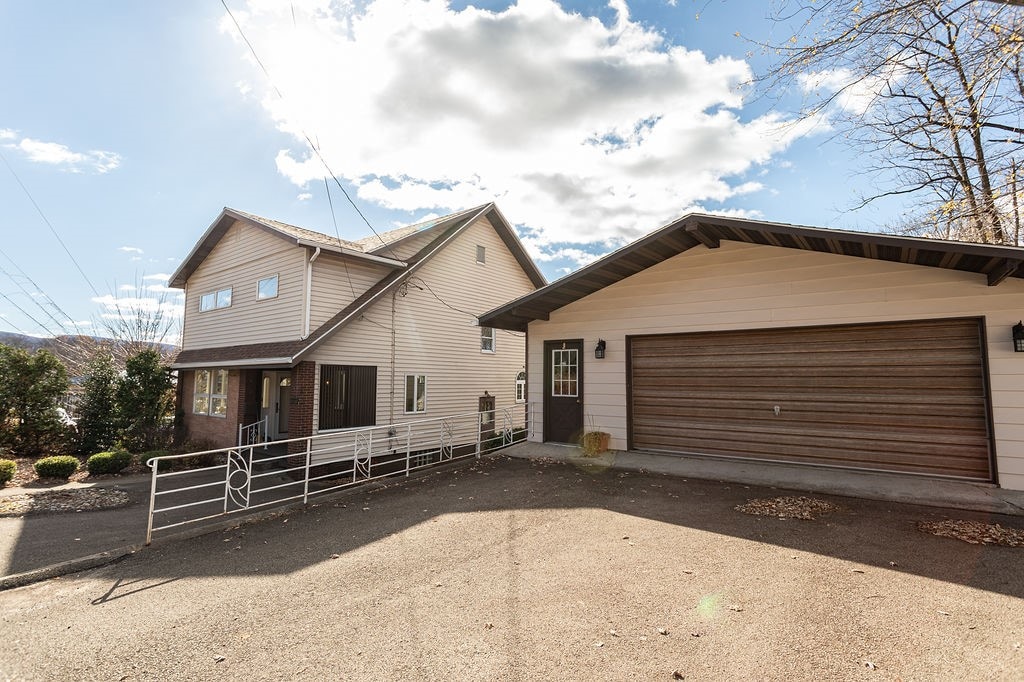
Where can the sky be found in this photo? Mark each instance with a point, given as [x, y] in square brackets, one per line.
[126, 127]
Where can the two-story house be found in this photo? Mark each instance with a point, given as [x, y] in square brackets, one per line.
[315, 334]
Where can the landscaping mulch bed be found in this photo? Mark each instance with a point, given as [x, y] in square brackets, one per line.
[974, 532]
[25, 475]
[63, 501]
[798, 507]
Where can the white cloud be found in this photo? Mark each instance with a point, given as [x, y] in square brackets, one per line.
[853, 93]
[130, 249]
[56, 154]
[8, 134]
[584, 132]
[305, 196]
[157, 277]
[116, 308]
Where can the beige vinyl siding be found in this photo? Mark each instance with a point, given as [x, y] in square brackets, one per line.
[745, 286]
[245, 255]
[433, 339]
[407, 247]
[334, 281]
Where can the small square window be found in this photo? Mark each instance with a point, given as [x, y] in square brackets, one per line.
[207, 302]
[481, 254]
[486, 339]
[266, 288]
[224, 298]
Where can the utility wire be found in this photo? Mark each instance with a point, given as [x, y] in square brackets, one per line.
[450, 306]
[309, 141]
[47, 297]
[344, 261]
[49, 224]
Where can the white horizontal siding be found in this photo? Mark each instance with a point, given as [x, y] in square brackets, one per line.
[337, 282]
[245, 255]
[744, 286]
[435, 340]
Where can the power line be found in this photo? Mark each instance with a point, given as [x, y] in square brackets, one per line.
[39, 290]
[344, 261]
[309, 141]
[49, 224]
[450, 306]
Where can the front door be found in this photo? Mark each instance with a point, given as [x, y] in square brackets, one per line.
[563, 391]
[275, 404]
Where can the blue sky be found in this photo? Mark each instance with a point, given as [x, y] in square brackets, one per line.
[131, 124]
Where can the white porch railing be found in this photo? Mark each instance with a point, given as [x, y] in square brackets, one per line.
[252, 434]
[239, 479]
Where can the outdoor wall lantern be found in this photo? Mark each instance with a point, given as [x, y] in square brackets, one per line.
[599, 350]
[1018, 337]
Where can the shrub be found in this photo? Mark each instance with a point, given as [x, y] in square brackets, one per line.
[7, 469]
[60, 466]
[162, 465]
[108, 462]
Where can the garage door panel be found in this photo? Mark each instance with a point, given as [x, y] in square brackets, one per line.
[920, 423]
[862, 453]
[906, 396]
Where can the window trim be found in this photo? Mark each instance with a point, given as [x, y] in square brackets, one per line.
[417, 396]
[216, 297]
[520, 388]
[277, 287]
[209, 394]
[481, 254]
[493, 339]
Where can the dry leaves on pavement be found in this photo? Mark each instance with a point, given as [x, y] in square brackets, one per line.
[974, 532]
[805, 508]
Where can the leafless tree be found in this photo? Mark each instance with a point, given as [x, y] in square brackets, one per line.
[932, 90]
[140, 320]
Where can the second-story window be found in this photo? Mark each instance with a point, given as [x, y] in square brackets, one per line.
[215, 299]
[481, 254]
[266, 288]
[486, 339]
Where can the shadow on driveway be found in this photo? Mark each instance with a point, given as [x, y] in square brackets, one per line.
[871, 533]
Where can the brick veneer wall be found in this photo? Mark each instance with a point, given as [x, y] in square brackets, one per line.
[222, 432]
[300, 414]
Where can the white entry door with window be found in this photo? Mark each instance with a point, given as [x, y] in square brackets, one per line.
[275, 403]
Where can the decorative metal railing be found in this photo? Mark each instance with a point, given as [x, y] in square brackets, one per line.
[252, 434]
[257, 474]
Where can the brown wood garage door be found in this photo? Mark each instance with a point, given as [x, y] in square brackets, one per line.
[905, 396]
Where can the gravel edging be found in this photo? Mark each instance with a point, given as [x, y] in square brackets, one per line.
[63, 501]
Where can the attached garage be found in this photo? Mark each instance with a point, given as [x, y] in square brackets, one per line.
[725, 337]
[903, 396]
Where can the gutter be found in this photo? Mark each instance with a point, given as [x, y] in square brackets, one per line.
[251, 362]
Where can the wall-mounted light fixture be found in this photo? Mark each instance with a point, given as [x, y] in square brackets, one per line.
[1018, 337]
[599, 350]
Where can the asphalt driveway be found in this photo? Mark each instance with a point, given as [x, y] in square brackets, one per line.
[522, 570]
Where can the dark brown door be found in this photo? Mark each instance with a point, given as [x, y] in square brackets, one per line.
[899, 396]
[563, 391]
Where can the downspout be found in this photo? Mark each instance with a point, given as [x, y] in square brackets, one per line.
[394, 300]
[309, 291]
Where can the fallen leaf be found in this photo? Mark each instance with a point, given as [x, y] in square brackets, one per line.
[857, 570]
[734, 607]
[598, 644]
[218, 658]
[870, 666]
[335, 556]
[662, 631]
[944, 613]
[676, 675]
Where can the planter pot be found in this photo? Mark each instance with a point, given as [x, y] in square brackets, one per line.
[594, 443]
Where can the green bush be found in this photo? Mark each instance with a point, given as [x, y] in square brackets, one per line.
[60, 466]
[7, 469]
[163, 464]
[108, 462]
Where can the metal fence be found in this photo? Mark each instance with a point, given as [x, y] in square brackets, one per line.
[227, 481]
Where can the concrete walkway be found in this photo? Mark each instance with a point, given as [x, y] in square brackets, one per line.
[908, 489]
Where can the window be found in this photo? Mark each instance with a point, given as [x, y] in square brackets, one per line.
[481, 254]
[521, 387]
[215, 299]
[348, 396]
[415, 393]
[211, 389]
[564, 368]
[486, 339]
[266, 288]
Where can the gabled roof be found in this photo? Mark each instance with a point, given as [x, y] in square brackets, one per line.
[994, 261]
[297, 235]
[445, 229]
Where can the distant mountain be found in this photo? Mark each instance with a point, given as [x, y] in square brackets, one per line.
[75, 351]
